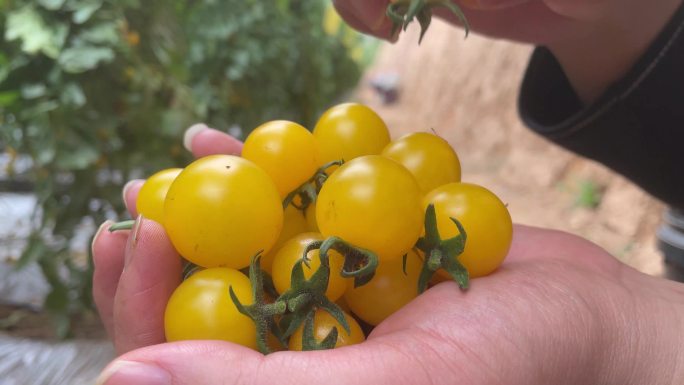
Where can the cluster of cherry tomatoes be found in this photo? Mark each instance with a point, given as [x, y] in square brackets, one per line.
[309, 233]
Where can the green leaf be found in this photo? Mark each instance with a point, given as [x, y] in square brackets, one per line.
[62, 323]
[35, 249]
[7, 98]
[105, 33]
[51, 5]
[77, 158]
[57, 300]
[82, 59]
[72, 95]
[4, 67]
[28, 26]
[33, 90]
[39, 109]
[84, 10]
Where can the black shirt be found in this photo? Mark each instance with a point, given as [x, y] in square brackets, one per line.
[636, 127]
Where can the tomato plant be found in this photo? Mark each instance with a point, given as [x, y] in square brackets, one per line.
[286, 151]
[201, 308]
[150, 201]
[221, 210]
[292, 251]
[485, 219]
[350, 130]
[431, 160]
[372, 202]
[323, 325]
[389, 290]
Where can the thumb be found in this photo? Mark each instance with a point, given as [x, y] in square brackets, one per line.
[152, 271]
[376, 361]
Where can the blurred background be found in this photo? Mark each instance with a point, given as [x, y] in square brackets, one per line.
[96, 92]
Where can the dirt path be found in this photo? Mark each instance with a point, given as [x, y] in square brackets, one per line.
[466, 90]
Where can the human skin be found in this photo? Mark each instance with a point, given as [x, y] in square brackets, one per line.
[559, 311]
[595, 41]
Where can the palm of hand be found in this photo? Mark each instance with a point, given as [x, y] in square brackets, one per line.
[516, 326]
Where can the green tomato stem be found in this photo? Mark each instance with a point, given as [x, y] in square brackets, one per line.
[441, 253]
[124, 225]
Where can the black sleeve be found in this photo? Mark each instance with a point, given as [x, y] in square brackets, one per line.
[637, 126]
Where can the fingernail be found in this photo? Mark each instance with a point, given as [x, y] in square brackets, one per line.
[133, 373]
[133, 240]
[495, 4]
[103, 226]
[126, 187]
[190, 134]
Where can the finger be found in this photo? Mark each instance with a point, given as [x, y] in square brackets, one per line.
[530, 21]
[130, 195]
[379, 361]
[108, 260]
[152, 270]
[533, 243]
[202, 141]
[492, 4]
[366, 16]
[587, 10]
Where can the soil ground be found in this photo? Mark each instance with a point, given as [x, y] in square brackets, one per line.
[466, 90]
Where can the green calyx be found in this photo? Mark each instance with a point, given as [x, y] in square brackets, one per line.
[261, 311]
[308, 191]
[298, 305]
[441, 254]
[305, 296]
[403, 12]
[358, 263]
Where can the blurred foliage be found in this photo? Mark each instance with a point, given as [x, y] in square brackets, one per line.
[97, 92]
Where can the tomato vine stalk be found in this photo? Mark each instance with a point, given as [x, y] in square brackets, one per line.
[403, 12]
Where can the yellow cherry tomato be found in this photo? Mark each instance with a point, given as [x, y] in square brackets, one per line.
[431, 160]
[201, 308]
[221, 210]
[485, 219]
[150, 201]
[323, 324]
[350, 130]
[286, 151]
[294, 223]
[374, 203]
[293, 250]
[311, 224]
[388, 291]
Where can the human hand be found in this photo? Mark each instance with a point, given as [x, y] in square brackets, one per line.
[559, 311]
[596, 41]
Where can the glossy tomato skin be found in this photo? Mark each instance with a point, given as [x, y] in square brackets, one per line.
[221, 210]
[431, 159]
[388, 291]
[310, 215]
[150, 201]
[484, 217]
[323, 324]
[372, 202]
[294, 223]
[291, 252]
[201, 308]
[350, 130]
[286, 151]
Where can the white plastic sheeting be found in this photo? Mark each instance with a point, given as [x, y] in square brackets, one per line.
[30, 362]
